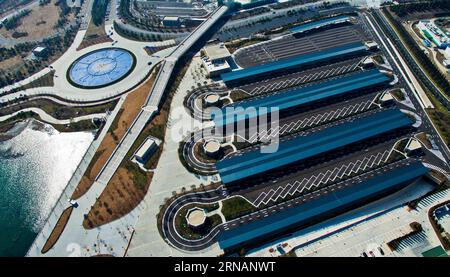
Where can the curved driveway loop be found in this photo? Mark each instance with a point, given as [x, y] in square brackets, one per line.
[168, 221]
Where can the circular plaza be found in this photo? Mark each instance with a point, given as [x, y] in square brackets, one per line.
[101, 68]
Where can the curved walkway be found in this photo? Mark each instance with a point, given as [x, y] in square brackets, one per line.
[194, 101]
[50, 119]
[191, 159]
[62, 87]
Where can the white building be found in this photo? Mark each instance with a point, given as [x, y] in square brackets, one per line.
[413, 147]
[146, 150]
[215, 60]
[40, 52]
[371, 45]
[447, 53]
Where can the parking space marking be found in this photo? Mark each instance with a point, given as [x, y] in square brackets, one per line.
[320, 179]
[310, 122]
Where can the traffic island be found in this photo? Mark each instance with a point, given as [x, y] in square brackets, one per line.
[192, 221]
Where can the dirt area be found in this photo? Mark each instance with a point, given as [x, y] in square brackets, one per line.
[116, 200]
[122, 122]
[130, 183]
[8, 63]
[57, 231]
[38, 24]
[93, 41]
[94, 35]
[240, 43]
[439, 58]
[422, 137]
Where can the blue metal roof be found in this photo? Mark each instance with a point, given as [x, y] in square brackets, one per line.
[320, 23]
[254, 162]
[335, 201]
[298, 61]
[298, 96]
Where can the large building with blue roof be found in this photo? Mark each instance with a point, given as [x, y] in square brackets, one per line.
[320, 23]
[296, 97]
[319, 209]
[302, 61]
[301, 148]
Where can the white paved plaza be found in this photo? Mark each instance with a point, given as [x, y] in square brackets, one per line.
[64, 89]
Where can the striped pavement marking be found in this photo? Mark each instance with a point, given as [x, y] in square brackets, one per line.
[294, 81]
[309, 122]
[322, 178]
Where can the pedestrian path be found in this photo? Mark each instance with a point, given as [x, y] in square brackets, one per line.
[50, 119]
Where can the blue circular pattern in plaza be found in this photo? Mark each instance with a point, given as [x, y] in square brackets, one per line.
[101, 68]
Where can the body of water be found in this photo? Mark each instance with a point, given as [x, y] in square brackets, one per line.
[35, 166]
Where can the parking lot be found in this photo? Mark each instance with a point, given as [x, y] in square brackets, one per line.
[292, 45]
[316, 177]
[302, 77]
[163, 8]
[306, 120]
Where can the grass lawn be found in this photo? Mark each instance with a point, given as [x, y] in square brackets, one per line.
[183, 228]
[398, 94]
[94, 31]
[236, 207]
[94, 35]
[441, 118]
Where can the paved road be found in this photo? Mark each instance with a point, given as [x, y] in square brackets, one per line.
[168, 226]
[399, 70]
[153, 102]
[415, 66]
[289, 125]
[115, 234]
[176, 240]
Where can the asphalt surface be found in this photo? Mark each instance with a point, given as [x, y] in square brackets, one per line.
[331, 171]
[168, 227]
[194, 101]
[426, 126]
[290, 46]
[302, 77]
[176, 240]
[296, 123]
[277, 84]
[302, 183]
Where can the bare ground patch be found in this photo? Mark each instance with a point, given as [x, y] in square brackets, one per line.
[130, 183]
[94, 35]
[38, 24]
[122, 122]
[57, 231]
